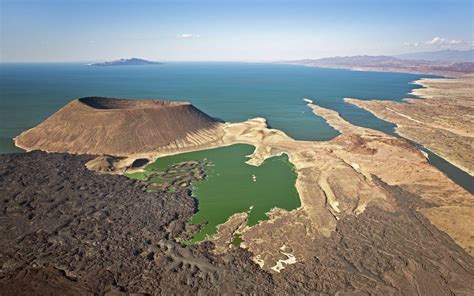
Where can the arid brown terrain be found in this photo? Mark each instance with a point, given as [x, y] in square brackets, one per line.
[70, 231]
[442, 120]
[96, 125]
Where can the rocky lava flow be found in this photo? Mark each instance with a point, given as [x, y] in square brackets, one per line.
[69, 231]
[175, 177]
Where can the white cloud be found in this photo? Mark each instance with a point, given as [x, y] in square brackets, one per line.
[438, 43]
[443, 41]
[188, 36]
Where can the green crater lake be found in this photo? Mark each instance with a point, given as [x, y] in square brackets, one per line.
[233, 186]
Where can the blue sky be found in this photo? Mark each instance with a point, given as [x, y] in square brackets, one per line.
[92, 30]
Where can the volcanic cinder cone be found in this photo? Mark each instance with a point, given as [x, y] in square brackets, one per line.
[95, 125]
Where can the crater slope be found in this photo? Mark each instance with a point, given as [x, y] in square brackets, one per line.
[95, 125]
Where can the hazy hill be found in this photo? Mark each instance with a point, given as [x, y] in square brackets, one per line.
[389, 64]
[354, 61]
[441, 55]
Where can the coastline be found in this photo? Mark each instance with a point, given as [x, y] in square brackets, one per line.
[441, 73]
[393, 112]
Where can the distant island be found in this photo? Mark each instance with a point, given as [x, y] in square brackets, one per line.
[126, 62]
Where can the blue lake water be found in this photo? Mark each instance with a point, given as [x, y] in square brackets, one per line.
[29, 93]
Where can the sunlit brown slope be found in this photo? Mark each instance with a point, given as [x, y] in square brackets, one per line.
[95, 125]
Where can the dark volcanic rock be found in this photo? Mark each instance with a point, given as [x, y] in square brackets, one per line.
[68, 231]
[386, 253]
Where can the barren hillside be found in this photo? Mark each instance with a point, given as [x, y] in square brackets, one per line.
[95, 125]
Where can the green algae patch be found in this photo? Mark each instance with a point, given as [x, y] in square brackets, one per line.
[232, 186]
[137, 176]
[237, 240]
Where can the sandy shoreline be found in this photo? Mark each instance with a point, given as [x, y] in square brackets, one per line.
[446, 131]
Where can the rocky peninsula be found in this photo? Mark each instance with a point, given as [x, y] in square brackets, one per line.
[442, 119]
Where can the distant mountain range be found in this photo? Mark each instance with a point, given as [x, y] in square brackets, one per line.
[442, 55]
[127, 62]
[390, 64]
